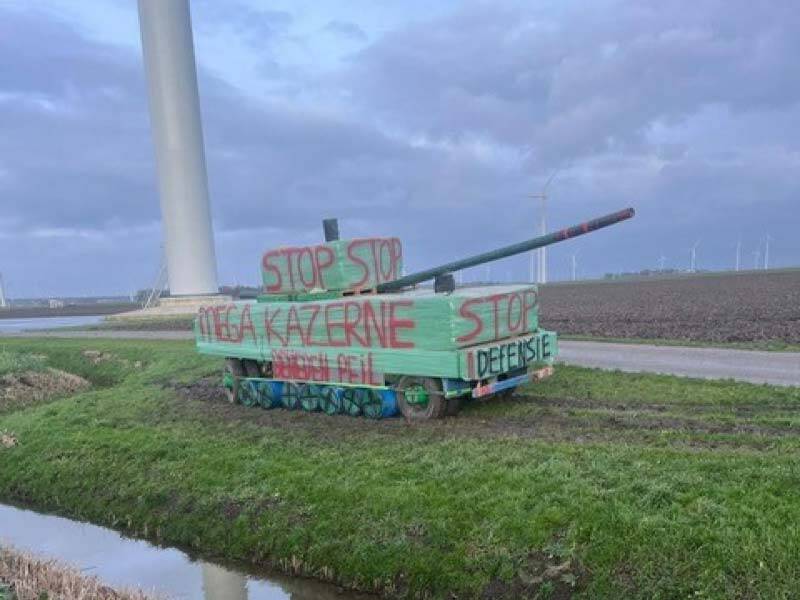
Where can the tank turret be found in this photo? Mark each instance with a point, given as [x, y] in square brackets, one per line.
[340, 267]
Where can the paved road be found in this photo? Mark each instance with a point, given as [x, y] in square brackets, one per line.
[103, 334]
[778, 368]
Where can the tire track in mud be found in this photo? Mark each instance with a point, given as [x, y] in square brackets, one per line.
[546, 419]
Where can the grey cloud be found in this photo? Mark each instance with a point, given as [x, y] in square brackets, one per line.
[345, 29]
[255, 25]
[689, 115]
[76, 155]
[580, 82]
[86, 161]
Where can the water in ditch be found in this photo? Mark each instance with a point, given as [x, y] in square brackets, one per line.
[17, 325]
[168, 572]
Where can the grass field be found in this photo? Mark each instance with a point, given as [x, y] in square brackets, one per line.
[595, 485]
[18, 362]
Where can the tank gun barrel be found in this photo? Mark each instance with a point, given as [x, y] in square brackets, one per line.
[485, 257]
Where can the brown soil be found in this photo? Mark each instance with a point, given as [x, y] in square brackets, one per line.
[550, 420]
[564, 579]
[744, 307]
[18, 390]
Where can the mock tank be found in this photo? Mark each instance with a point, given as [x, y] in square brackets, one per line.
[339, 328]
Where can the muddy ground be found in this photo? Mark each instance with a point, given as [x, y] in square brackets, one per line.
[524, 416]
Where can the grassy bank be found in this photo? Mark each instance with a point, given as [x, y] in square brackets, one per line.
[162, 323]
[18, 362]
[601, 484]
[27, 577]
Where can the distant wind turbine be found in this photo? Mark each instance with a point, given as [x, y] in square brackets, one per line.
[541, 253]
[766, 251]
[574, 261]
[757, 257]
[693, 257]
[662, 262]
[738, 253]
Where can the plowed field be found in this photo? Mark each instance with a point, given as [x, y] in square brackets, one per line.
[743, 307]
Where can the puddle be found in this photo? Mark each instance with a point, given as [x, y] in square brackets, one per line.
[120, 561]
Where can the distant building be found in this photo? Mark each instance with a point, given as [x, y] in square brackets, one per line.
[55, 303]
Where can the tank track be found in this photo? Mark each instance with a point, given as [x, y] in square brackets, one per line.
[373, 403]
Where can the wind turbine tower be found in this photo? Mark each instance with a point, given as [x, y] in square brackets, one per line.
[541, 253]
[662, 262]
[168, 49]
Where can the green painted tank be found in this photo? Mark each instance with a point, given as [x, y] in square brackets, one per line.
[339, 329]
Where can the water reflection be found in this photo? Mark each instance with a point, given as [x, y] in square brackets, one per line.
[18, 325]
[219, 583]
[120, 561]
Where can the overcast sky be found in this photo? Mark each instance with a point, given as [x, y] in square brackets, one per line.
[427, 120]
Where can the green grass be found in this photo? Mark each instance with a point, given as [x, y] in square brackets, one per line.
[117, 323]
[16, 362]
[653, 486]
[162, 323]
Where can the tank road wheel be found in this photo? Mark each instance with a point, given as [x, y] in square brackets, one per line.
[332, 401]
[270, 394]
[420, 398]
[292, 392]
[311, 397]
[351, 401]
[249, 392]
[233, 369]
[371, 404]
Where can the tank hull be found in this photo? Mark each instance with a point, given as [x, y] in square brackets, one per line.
[471, 334]
[349, 355]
